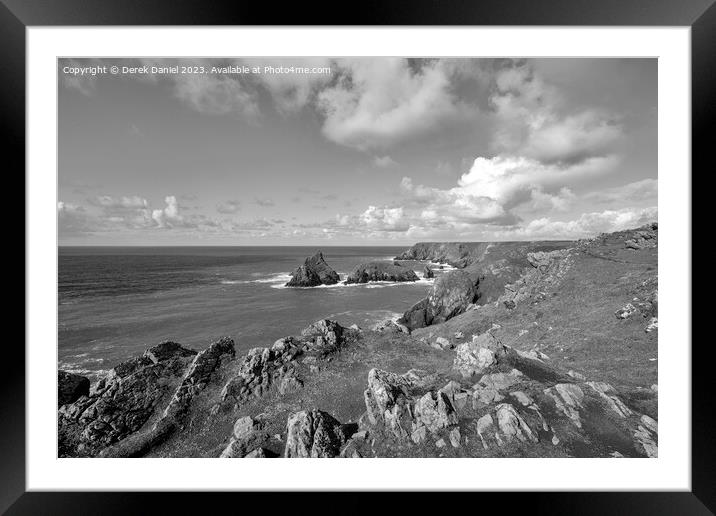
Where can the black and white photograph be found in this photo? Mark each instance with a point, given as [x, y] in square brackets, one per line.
[357, 257]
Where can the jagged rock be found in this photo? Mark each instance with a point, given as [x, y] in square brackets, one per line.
[543, 260]
[646, 237]
[70, 387]
[381, 271]
[434, 411]
[290, 384]
[443, 343]
[455, 437]
[247, 439]
[440, 443]
[122, 402]
[646, 435]
[258, 453]
[390, 326]
[428, 273]
[476, 357]
[607, 393]
[626, 311]
[568, 399]
[484, 425]
[653, 325]
[457, 254]
[314, 271]
[449, 296]
[512, 425]
[313, 434]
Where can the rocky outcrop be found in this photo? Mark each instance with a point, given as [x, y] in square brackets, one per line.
[381, 271]
[451, 294]
[390, 326]
[70, 387]
[314, 434]
[123, 402]
[545, 272]
[428, 273]
[391, 403]
[262, 368]
[247, 440]
[646, 237]
[314, 271]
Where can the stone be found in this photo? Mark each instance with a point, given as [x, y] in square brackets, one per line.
[443, 343]
[476, 357]
[71, 387]
[244, 426]
[609, 394]
[440, 443]
[653, 325]
[434, 411]
[626, 311]
[314, 434]
[568, 399]
[484, 424]
[419, 435]
[258, 453]
[314, 271]
[428, 273]
[512, 425]
[381, 271]
[289, 384]
[455, 437]
[390, 326]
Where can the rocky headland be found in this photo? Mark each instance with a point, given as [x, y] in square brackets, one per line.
[529, 349]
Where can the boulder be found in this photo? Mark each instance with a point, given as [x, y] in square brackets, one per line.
[70, 387]
[381, 271]
[477, 356]
[314, 271]
[313, 434]
[451, 294]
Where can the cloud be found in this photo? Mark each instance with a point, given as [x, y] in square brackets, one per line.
[377, 103]
[531, 122]
[73, 220]
[644, 190]
[293, 91]
[588, 224]
[384, 162]
[168, 217]
[265, 203]
[216, 94]
[230, 206]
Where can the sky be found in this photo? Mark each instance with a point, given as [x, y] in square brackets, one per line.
[353, 151]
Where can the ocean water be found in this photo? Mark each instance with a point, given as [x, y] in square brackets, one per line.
[116, 302]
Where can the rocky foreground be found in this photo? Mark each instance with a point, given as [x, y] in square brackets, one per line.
[527, 350]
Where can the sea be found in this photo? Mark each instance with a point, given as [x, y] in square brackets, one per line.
[115, 302]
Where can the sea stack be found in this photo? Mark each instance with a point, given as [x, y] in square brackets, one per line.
[428, 273]
[314, 271]
[381, 271]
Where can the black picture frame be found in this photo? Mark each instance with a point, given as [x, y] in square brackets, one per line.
[17, 15]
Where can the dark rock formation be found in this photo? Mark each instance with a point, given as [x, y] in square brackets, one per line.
[428, 273]
[123, 402]
[381, 271]
[247, 440]
[314, 271]
[450, 295]
[70, 387]
[314, 434]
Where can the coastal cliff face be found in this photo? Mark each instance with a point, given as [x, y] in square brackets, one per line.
[562, 363]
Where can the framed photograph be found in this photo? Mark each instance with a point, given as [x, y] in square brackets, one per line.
[423, 245]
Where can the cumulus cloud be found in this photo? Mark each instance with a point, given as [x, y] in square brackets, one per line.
[377, 103]
[293, 91]
[588, 224]
[73, 220]
[531, 122]
[264, 203]
[384, 161]
[216, 94]
[644, 190]
[230, 206]
[168, 216]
